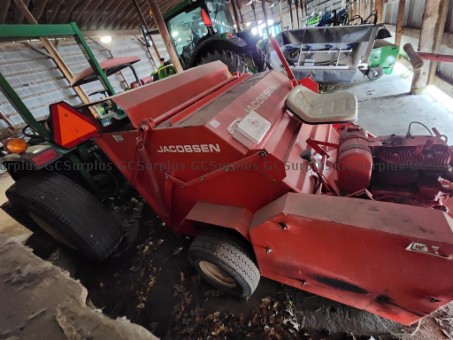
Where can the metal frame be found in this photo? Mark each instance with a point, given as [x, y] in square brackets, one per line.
[8, 32]
[56, 31]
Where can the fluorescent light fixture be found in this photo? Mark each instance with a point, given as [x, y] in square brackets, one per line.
[106, 39]
[174, 34]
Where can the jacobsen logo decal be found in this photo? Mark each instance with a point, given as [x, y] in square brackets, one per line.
[260, 99]
[189, 148]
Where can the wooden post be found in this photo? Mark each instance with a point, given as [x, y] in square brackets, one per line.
[426, 42]
[379, 7]
[263, 6]
[296, 3]
[165, 35]
[142, 19]
[254, 15]
[440, 28]
[290, 13]
[238, 5]
[303, 8]
[400, 22]
[280, 14]
[53, 52]
[236, 16]
[362, 8]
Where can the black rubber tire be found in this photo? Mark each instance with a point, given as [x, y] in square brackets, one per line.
[375, 73]
[232, 254]
[232, 60]
[69, 210]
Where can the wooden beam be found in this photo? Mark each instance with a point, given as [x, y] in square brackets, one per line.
[400, 22]
[263, 7]
[35, 48]
[127, 17]
[290, 13]
[4, 6]
[90, 11]
[165, 35]
[104, 13]
[38, 9]
[362, 9]
[280, 13]
[66, 15]
[99, 33]
[440, 28]
[20, 16]
[430, 21]
[379, 7]
[235, 14]
[53, 53]
[303, 8]
[239, 5]
[82, 10]
[117, 12]
[296, 4]
[56, 10]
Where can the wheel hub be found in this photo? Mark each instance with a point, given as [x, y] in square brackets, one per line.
[217, 274]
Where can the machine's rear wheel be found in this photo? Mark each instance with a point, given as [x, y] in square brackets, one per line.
[225, 261]
[375, 73]
[229, 58]
[68, 213]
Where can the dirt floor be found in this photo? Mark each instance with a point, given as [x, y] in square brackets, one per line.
[152, 284]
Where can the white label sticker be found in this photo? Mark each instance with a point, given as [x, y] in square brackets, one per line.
[118, 138]
[253, 127]
[214, 123]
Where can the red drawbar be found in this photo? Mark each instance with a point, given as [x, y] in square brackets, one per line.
[70, 126]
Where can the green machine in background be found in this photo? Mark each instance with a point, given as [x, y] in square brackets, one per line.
[382, 59]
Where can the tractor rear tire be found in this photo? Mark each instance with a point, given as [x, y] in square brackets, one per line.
[232, 60]
[68, 213]
[225, 261]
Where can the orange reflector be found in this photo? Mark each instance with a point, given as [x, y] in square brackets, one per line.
[15, 145]
[206, 19]
[70, 126]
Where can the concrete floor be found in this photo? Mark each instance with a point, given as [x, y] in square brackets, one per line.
[8, 226]
[384, 108]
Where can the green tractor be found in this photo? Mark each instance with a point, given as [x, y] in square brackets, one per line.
[202, 31]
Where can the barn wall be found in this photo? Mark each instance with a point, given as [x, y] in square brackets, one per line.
[39, 83]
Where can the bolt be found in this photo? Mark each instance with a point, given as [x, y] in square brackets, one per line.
[268, 250]
[304, 283]
[434, 300]
[201, 179]
[263, 154]
[283, 225]
[182, 186]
